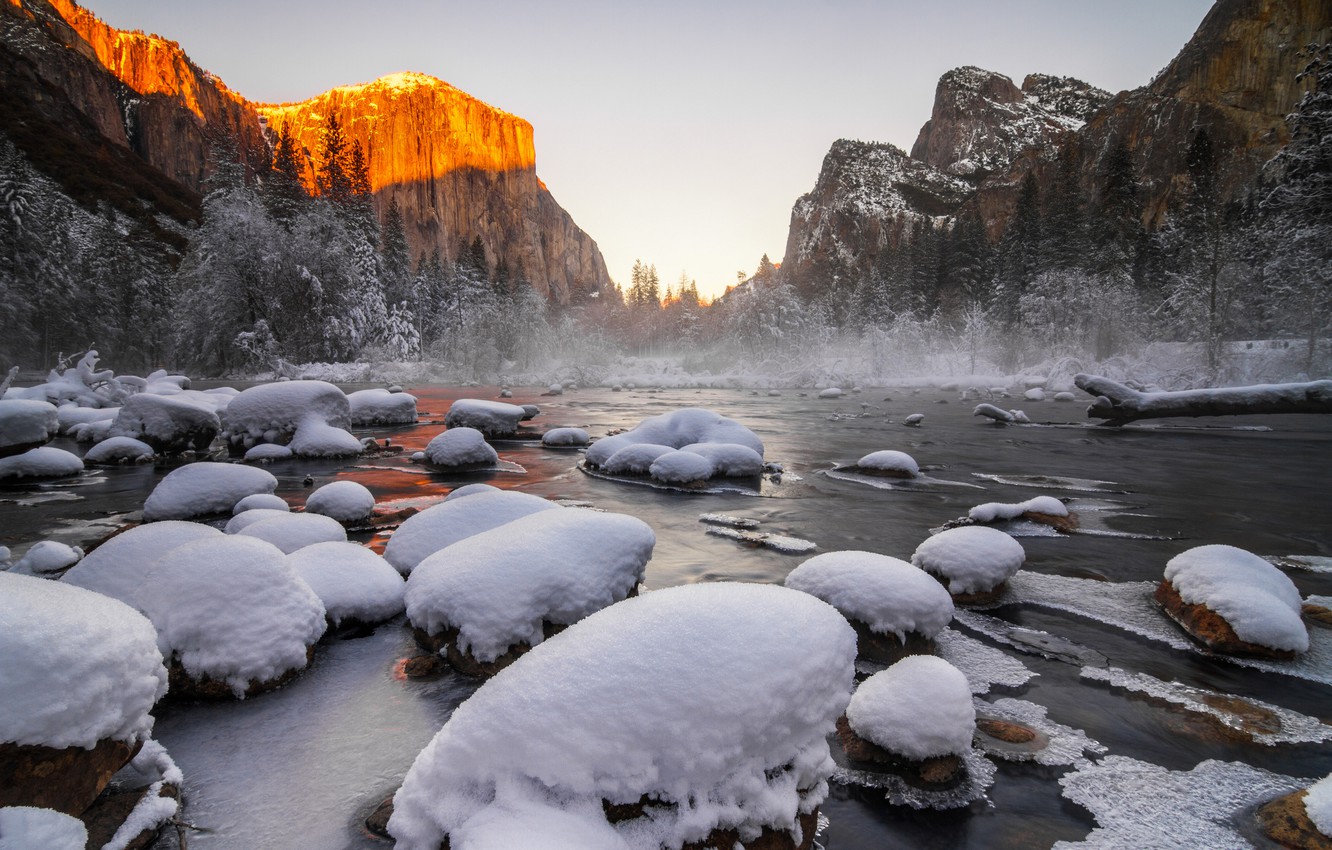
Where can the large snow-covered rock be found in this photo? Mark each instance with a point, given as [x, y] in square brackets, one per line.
[257, 501]
[1046, 506]
[71, 416]
[731, 460]
[460, 447]
[714, 700]
[344, 501]
[681, 467]
[315, 437]
[492, 418]
[119, 450]
[118, 567]
[266, 452]
[562, 437]
[169, 423]
[41, 462]
[972, 561]
[884, 596]
[200, 489]
[290, 531]
[25, 424]
[502, 587]
[270, 413]
[677, 429]
[239, 522]
[380, 407]
[231, 615]
[1257, 605]
[452, 520]
[634, 459]
[919, 708]
[889, 464]
[353, 582]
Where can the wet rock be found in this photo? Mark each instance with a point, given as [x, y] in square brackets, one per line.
[67, 780]
[1285, 821]
[1066, 523]
[112, 808]
[886, 648]
[377, 822]
[1210, 628]
[183, 686]
[446, 644]
[1006, 731]
[768, 839]
[932, 774]
[423, 666]
[1317, 614]
[980, 597]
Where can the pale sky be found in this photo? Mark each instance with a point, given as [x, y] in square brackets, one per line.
[679, 132]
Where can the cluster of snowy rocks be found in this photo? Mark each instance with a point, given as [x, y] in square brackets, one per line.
[685, 447]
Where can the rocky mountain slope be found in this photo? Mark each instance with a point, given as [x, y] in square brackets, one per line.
[135, 118]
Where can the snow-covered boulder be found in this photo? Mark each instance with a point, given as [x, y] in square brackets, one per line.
[355, 584]
[530, 411]
[344, 501]
[47, 558]
[973, 562]
[26, 424]
[634, 459]
[266, 452]
[243, 520]
[315, 437]
[1043, 509]
[888, 464]
[830, 392]
[266, 501]
[169, 423]
[381, 407]
[71, 416]
[454, 519]
[41, 462]
[471, 490]
[681, 468]
[1034, 394]
[1065, 396]
[914, 420]
[1234, 602]
[712, 700]
[200, 489]
[730, 460]
[232, 617]
[80, 672]
[289, 531]
[92, 432]
[269, 413]
[917, 716]
[488, 598]
[36, 828]
[895, 608]
[492, 418]
[460, 447]
[677, 429]
[561, 437]
[115, 450]
[118, 567]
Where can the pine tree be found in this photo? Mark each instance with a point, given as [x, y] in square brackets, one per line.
[1064, 227]
[396, 255]
[284, 190]
[335, 183]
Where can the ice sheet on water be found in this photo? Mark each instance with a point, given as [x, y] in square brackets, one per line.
[1130, 606]
[980, 776]
[1305, 563]
[29, 500]
[1031, 641]
[1140, 806]
[1263, 722]
[1013, 528]
[727, 520]
[712, 487]
[984, 666]
[1052, 482]
[776, 542]
[879, 483]
[1064, 745]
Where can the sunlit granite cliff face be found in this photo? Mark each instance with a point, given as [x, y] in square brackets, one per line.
[133, 115]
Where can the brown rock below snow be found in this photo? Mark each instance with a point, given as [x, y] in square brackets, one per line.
[181, 685]
[1316, 614]
[67, 780]
[1003, 730]
[886, 648]
[932, 773]
[1065, 524]
[768, 839]
[1210, 628]
[111, 809]
[1285, 821]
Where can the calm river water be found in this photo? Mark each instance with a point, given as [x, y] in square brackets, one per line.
[300, 767]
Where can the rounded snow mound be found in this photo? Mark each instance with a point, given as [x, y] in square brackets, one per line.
[729, 459]
[168, 423]
[270, 413]
[344, 501]
[565, 437]
[452, 520]
[498, 588]
[26, 422]
[380, 407]
[352, 582]
[890, 461]
[41, 462]
[635, 459]
[47, 557]
[231, 610]
[471, 490]
[677, 429]
[994, 511]
[200, 489]
[78, 667]
[887, 594]
[290, 532]
[266, 501]
[918, 708]
[492, 418]
[31, 828]
[118, 567]
[715, 699]
[1259, 601]
[245, 519]
[460, 446]
[831, 392]
[970, 559]
[680, 467]
[267, 451]
[119, 450]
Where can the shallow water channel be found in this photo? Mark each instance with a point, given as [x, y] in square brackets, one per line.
[301, 767]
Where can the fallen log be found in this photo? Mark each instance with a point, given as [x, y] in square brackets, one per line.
[1119, 404]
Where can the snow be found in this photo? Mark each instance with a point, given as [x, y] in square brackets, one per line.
[351, 581]
[919, 708]
[994, 511]
[499, 586]
[266, 501]
[1258, 601]
[492, 418]
[243, 520]
[565, 437]
[888, 460]
[118, 567]
[680, 467]
[1034, 394]
[154, 766]
[344, 501]
[231, 609]
[24, 422]
[830, 392]
[172, 423]
[714, 698]
[635, 459]
[290, 532]
[119, 450]
[452, 520]
[71, 415]
[460, 446]
[41, 462]
[47, 556]
[30, 828]
[267, 451]
[677, 429]
[315, 437]
[888, 595]
[471, 490]
[78, 667]
[729, 459]
[270, 413]
[527, 820]
[970, 559]
[200, 489]
[380, 407]
[1318, 805]
[914, 419]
